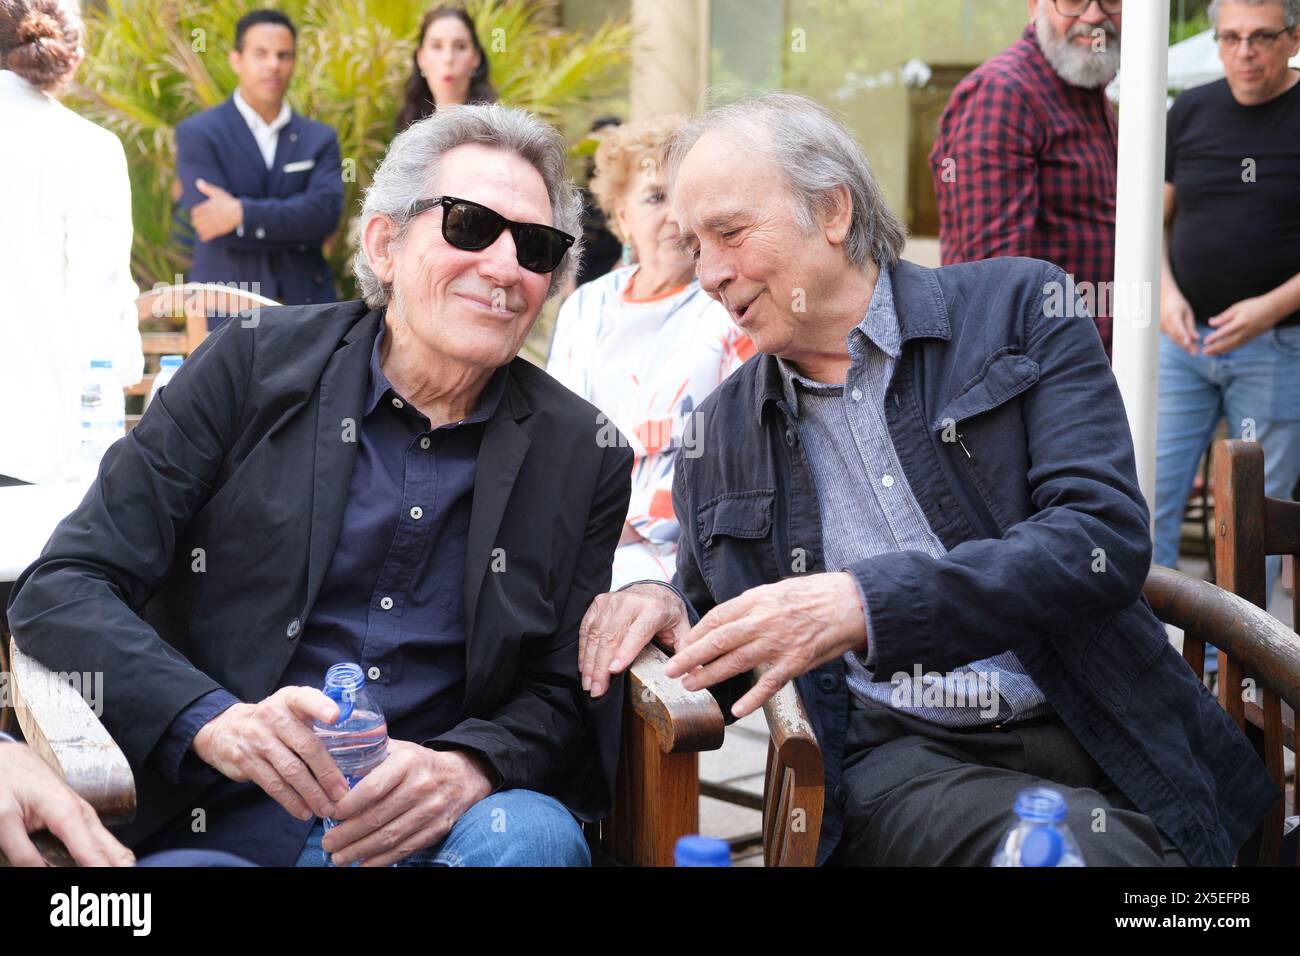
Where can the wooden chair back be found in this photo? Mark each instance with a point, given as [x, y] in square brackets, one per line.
[1250, 528]
[174, 321]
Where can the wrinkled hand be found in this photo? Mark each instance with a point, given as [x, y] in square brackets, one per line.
[272, 744]
[218, 215]
[1178, 322]
[617, 626]
[794, 625]
[409, 802]
[1238, 324]
[32, 797]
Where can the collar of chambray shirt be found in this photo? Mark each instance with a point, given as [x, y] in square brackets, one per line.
[878, 327]
[266, 134]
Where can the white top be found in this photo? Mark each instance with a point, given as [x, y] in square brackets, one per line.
[28, 515]
[647, 364]
[66, 293]
[266, 134]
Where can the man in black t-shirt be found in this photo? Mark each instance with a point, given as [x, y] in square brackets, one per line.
[1230, 294]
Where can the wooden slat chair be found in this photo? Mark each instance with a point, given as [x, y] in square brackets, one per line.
[174, 321]
[1250, 528]
[657, 798]
[794, 788]
[1251, 642]
[61, 727]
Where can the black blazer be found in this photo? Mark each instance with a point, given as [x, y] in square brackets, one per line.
[198, 553]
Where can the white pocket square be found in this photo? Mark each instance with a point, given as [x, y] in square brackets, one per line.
[299, 166]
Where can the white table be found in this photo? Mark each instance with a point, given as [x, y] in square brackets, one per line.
[28, 515]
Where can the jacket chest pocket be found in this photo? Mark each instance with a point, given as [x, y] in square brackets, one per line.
[982, 425]
[735, 536]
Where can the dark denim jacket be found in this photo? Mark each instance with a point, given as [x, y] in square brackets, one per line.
[1010, 428]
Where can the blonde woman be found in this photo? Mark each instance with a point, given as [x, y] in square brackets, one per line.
[644, 343]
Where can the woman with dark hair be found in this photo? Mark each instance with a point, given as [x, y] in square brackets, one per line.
[65, 254]
[449, 67]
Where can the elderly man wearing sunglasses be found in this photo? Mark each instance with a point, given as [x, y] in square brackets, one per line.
[360, 482]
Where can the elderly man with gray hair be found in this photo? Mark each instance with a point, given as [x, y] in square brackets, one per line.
[360, 482]
[919, 504]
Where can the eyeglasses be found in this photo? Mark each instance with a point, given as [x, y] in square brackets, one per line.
[1260, 39]
[1077, 8]
[470, 226]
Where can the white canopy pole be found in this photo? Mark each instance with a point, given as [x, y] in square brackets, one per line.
[1139, 227]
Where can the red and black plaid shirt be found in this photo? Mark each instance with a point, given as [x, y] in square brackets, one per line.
[1025, 165]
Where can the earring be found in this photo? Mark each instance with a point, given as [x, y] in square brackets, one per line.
[627, 254]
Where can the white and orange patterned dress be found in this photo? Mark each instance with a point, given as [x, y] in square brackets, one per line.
[647, 364]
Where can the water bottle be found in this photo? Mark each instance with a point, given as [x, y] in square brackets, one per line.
[103, 413]
[1039, 836]
[167, 366]
[358, 740]
[701, 851]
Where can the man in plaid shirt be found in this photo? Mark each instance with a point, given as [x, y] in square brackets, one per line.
[1025, 161]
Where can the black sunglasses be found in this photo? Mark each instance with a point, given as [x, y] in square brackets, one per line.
[468, 225]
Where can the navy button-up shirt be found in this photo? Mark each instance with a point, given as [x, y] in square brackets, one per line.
[392, 601]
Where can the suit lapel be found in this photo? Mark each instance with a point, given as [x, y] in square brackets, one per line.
[286, 145]
[243, 137]
[342, 401]
[501, 455]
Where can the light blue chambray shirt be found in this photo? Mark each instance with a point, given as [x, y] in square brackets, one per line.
[867, 509]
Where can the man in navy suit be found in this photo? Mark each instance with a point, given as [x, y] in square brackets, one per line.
[263, 185]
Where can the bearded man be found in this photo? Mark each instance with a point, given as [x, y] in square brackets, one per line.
[1026, 159]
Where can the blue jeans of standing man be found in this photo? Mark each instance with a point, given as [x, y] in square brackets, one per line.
[1257, 386]
[509, 828]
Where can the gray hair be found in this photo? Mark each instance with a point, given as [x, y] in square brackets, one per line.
[410, 168]
[816, 154]
[1290, 10]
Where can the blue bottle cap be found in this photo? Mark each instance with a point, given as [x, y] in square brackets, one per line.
[1043, 846]
[171, 361]
[100, 363]
[1040, 805]
[342, 684]
[702, 851]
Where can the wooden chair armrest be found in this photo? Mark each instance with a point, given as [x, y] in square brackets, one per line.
[1263, 645]
[795, 785]
[60, 726]
[657, 793]
[684, 721]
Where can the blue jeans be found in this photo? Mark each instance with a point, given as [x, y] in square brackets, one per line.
[509, 828]
[1257, 387]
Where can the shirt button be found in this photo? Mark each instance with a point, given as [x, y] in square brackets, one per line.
[424, 443]
[857, 394]
[398, 403]
[386, 603]
[417, 512]
[372, 673]
[887, 481]
[294, 627]
[260, 233]
[790, 437]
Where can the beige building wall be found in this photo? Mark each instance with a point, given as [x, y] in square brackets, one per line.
[848, 54]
